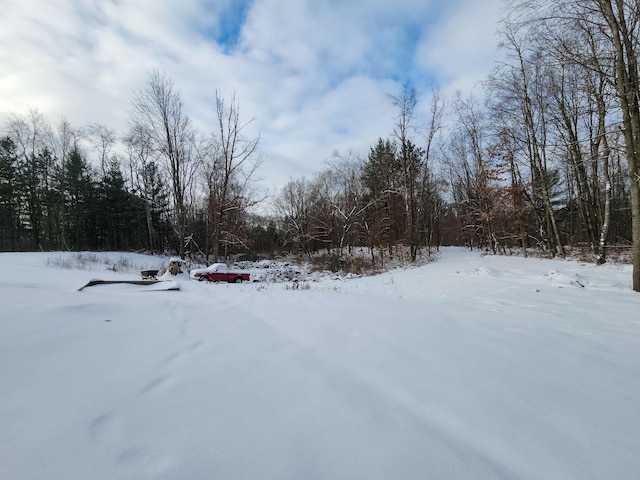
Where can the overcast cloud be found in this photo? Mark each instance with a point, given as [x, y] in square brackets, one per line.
[314, 75]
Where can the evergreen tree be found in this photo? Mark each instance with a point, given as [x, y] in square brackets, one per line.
[30, 179]
[76, 186]
[381, 178]
[9, 215]
[155, 197]
[118, 211]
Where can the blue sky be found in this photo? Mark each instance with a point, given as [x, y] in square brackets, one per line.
[227, 30]
[315, 76]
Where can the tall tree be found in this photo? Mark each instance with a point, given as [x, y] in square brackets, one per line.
[431, 205]
[410, 159]
[9, 213]
[102, 140]
[232, 163]
[623, 19]
[533, 106]
[384, 221]
[297, 207]
[35, 162]
[76, 184]
[347, 198]
[617, 24]
[472, 169]
[145, 180]
[158, 109]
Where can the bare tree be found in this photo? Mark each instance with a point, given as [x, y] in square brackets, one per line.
[294, 206]
[232, 164]
[31, 135]
[143, 176]
[430, 202]
[346, 196]
[475, 166]
[623, 19]
[410, 161]
[581, 67]
[616, 24]
[63, 138]
[158, 109]
[533, 111]
[102, 140]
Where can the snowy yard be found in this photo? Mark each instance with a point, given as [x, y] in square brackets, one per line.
[467, 368]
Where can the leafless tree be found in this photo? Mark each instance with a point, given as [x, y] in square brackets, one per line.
[31, 134]
[614, 24]
[471, 170]
[346, 196]
[623, 19]
[410, 161]
[231, 163]
[102, 140]
[158, 110]
[430, 203]
[304, 214]
[143, 176]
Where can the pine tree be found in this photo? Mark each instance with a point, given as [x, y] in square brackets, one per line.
[9, 217]
[381, 178]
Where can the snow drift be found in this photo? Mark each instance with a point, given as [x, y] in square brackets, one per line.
[467, 368]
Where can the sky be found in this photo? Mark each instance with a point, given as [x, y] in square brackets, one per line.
[311, 77]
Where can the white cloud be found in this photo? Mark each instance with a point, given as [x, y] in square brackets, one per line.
[314, 75]
[463, 49]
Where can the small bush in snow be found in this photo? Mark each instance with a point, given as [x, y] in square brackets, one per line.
[60, 262]
[295, 285]
[121, 265]
[79, 261]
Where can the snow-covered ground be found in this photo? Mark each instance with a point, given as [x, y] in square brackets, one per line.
[470, 367]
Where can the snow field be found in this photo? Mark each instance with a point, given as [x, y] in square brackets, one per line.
[469, 367]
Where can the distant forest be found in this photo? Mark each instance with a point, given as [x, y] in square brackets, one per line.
[547, 158]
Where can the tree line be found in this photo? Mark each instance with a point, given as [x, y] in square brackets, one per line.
[546, 157]
[162, 187]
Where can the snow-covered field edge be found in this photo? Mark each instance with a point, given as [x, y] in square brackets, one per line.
[470, 366]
